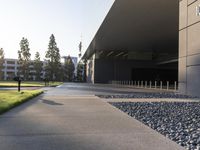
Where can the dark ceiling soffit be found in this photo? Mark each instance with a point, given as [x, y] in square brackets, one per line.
[94, 46]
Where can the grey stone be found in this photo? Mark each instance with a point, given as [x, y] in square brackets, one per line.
[179, 121]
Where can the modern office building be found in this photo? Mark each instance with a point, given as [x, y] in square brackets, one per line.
[189, 47]
[138, 40]
[148, 40]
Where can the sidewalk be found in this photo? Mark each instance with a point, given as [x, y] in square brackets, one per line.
[76, 123]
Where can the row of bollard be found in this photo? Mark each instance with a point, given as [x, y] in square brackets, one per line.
[151, 85]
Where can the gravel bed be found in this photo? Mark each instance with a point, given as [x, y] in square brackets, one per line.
[148, 95]
[179, 121]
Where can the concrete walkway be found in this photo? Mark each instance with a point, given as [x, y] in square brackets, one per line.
[61, 119]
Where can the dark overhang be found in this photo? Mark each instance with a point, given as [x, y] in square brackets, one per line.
[138, 25]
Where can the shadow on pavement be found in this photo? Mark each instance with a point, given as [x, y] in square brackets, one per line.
[50, 102]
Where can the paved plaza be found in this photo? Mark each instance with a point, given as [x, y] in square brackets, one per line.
[71, 117]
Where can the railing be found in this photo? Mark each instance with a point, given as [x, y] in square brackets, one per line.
[160, 85]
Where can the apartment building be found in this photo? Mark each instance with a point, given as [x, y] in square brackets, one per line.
[11, 66]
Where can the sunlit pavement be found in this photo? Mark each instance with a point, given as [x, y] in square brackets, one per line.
[70, 117]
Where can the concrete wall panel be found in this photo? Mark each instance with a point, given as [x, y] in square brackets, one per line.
[193, 39]
[192, 13]
[193, 60]
[183, 14]
[182, 42]
[182, 87]
[182, 69]
[90, 69]
[193, 80]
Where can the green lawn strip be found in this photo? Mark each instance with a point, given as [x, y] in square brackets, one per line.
[11, 98]
[27, 84]
[54, 84]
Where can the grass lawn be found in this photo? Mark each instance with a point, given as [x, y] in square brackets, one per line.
[27, 84]
[12, 98]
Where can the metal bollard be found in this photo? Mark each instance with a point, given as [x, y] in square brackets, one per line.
[167, 85]
[138, 83]
[155, 84]
[175, 87]
[145, 84]
[142, 84]
[161, 85]
[150, 84]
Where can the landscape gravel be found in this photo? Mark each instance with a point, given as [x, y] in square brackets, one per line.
[179, 121]
[148, 95]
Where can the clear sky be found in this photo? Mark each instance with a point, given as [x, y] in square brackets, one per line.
[38, 19]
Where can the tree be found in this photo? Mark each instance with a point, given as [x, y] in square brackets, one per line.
[69, 69]
[53, 60]
[37, 66]
[24, 57]
[1, 63]
[80, 72]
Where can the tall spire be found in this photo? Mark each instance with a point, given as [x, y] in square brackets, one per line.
[80, 48]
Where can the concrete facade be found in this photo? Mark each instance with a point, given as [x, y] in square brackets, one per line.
[138, 41]
[189, 47]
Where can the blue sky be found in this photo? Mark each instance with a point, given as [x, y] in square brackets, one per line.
[38, 19]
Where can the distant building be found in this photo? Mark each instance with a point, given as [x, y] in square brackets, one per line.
[11, 67]
[74, 60]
